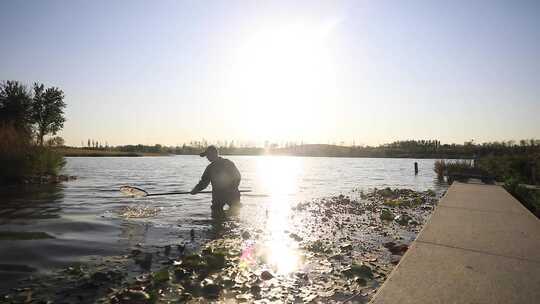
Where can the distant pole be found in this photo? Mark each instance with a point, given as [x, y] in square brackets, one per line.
[415, 168]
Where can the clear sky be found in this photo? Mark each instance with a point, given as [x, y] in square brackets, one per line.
[370, 71]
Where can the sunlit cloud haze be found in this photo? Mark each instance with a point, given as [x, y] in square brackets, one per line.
[371, 72]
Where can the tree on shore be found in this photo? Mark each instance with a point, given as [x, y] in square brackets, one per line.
[25, 119]
[47, 111]
[15, 106]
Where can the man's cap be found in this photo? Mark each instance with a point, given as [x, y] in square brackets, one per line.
[209, 149]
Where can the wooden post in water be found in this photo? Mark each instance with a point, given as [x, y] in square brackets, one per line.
[415, 168]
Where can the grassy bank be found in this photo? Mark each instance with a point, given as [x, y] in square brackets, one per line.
[518, 174]
[79, 152]
[401, 149]
[22, 160]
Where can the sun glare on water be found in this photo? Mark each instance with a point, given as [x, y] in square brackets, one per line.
[281, 176]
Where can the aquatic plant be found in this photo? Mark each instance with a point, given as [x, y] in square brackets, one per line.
[440, 168]
[386, 215]
[361, 271]
[332, 261]
[456, 167]
[394, 202]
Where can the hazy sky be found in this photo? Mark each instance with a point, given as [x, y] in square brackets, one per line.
[369, 71]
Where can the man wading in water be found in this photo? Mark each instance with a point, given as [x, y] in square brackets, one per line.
[224, 177]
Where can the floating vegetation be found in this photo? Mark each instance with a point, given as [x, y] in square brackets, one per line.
[332, 250]
[138, 211]
[359, 271]
[336, 261]
[386, 215]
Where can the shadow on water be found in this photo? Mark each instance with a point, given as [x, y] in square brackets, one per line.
[21, 207]
[30, 202]
[41, 231]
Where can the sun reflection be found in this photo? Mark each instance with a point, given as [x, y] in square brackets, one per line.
[279, 178]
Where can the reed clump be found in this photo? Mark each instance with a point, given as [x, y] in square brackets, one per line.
[21, 158]
[446, 167]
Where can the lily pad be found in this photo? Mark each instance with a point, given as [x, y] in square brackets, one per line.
[358, 271]
[266, 275]
[215, 260]
[403, 219]
[180, 274]
[393, 202]
[431, 193]
[161, 276]
[386, 192]
[346, 247]
[386, 215]
[193, 262]
[76, 270]
[211, 291]
[318, 247]
[134, 296]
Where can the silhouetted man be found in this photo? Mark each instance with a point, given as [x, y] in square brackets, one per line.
[224, 177]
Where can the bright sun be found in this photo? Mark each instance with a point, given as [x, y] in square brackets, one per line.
[283, 81]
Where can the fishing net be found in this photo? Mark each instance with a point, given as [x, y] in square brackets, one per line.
[133, 191]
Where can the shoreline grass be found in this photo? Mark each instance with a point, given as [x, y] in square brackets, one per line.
[76, 152]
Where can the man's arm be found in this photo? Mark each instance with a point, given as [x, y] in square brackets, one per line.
[203, 183]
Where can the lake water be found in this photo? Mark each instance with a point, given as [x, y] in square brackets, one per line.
[84, 215]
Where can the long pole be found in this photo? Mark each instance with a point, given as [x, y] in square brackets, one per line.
[187, 192]
[175, 193]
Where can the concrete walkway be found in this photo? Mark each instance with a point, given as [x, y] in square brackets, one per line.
[479, 246]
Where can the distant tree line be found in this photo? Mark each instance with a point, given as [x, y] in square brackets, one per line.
[185, 149]
[397, 149]
[416, 149]
[95, 145]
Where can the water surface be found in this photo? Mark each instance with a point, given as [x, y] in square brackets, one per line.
[84, 216]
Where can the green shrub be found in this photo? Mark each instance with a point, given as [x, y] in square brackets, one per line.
[14, 153]
[20, 158]
[515, 167]
[530, 198]
[45, 161]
